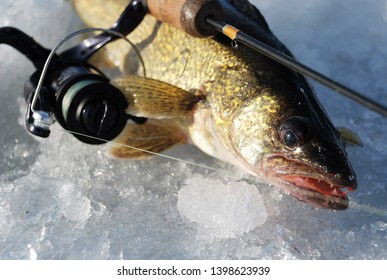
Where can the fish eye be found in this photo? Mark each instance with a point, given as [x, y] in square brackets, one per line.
[294, 131]
[289, 138]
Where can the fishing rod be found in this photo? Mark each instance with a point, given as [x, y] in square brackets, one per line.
[200, 18]
[235, 34]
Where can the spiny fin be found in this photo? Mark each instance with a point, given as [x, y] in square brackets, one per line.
[350, 138]
[154, 136]
[246, 8]
[152, 98]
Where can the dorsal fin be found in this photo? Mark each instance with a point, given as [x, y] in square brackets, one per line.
[248, 9]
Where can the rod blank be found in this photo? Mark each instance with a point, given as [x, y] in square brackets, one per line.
[235, 34]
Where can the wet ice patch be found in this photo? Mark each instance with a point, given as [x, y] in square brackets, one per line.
[227, 209]
[37, 198]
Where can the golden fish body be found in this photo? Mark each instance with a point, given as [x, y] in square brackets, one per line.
[174, 57]
[234, 104]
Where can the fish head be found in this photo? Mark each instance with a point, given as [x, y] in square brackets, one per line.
[291, 143]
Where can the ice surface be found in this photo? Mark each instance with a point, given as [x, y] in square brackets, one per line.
[61, 199]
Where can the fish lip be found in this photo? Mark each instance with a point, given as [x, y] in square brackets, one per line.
[308, 183]
[330, 196]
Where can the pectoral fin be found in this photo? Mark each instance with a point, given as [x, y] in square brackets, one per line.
[141, 141]
[350, 138]
[155, 99]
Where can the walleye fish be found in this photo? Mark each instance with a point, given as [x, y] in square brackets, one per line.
[234, 104]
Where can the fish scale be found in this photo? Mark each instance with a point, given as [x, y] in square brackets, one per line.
[243, 107]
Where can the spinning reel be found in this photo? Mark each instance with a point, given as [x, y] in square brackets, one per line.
[73, 92]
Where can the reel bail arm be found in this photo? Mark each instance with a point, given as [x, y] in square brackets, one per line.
[70, 90]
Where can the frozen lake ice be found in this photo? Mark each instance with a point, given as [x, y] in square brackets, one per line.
[61, 199]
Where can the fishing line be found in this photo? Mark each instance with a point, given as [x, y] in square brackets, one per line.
[64, 40]
[253, 180]
[141, 150]
[368, 208]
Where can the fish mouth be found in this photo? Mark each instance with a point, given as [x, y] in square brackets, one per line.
[310, 184]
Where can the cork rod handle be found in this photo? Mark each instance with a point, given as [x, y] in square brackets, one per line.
[188, 15]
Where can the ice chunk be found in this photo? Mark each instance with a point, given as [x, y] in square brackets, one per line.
[228, 209]
[75, 206]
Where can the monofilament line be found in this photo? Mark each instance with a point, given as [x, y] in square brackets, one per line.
[353, 204]
[142, 150]
[368, 208]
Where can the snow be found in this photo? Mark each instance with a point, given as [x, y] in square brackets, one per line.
[61, 199]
